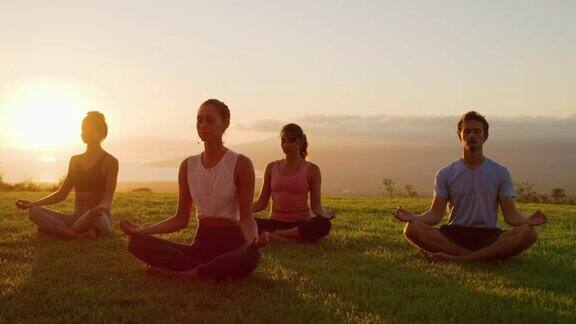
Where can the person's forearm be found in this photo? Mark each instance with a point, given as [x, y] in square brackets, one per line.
[249, 228]
[259, 205]
[516, 219]
[51, 199]
[107, 201]
[169, 225]
[431, 218]
[318, 210]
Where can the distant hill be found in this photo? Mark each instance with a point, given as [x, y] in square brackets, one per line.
[356, 166]
[155, 186]
[354, 153]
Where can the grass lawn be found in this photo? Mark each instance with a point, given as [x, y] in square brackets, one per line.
[363, 272]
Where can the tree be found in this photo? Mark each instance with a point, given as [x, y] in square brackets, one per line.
[525, 192]
[410, 192]
[58, 184]
[543, 198]
[557, 194]
[388, 186]
[3, 185]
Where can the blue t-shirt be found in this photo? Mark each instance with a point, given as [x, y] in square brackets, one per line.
[473, 194]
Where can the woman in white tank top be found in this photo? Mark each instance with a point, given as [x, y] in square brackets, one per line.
[221, 184]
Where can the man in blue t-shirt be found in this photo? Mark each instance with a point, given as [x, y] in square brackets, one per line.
[473, 186]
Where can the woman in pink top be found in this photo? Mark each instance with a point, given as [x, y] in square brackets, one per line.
[288, 182]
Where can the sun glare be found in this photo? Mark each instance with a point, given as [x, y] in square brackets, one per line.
[46, 115]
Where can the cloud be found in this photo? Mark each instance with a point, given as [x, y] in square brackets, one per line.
[422, 128]
[348, 125]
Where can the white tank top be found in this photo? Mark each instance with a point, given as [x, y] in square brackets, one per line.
[213, 190]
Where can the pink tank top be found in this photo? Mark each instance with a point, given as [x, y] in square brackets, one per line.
[290, 195]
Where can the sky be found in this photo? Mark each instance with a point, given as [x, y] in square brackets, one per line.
[149, 64]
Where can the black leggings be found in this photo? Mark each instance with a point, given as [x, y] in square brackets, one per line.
[218, 252]
[313, 229]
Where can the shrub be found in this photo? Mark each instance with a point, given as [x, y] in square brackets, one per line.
[142, 190]
[3, 185]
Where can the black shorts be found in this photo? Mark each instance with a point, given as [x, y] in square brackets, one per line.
[471, 238]
[312, 229]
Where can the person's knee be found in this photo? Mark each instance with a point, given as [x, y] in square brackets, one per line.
[315, 229]
[323, 227]
[249, 260]
[34, 212]
[134, 243]
[413, 230]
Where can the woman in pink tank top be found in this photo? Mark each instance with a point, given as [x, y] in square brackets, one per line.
[289, 182]
[220, 183]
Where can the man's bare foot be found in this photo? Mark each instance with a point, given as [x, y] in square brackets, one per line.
[442, 257]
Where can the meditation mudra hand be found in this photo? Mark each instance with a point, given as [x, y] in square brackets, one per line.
[23, 204]
[261, 241]
[404, 215]
[328, 214]
[99, 210]
[537, 218]
[128, 227]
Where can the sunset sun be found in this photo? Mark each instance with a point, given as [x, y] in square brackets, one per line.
[46, 115]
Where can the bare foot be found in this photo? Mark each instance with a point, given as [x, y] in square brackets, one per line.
[153, 271]
[275, 237]
[496, 262]
[261, 241]
[442, 257]
[87, 235]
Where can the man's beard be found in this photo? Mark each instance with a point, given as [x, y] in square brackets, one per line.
[473, 147]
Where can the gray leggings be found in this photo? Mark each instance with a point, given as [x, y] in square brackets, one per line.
[52, 222]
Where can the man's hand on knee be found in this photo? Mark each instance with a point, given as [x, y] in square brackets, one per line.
[537, 218]
[404, 215]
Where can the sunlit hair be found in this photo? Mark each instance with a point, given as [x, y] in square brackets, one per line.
[472, 115]
[220, 107]
[294, 133]
[98, 119]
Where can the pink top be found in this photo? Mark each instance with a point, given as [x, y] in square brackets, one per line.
[290, 195]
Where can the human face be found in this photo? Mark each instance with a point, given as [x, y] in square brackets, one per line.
[210, 125]
[91, 133]
[472, 135]
[290, 146]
